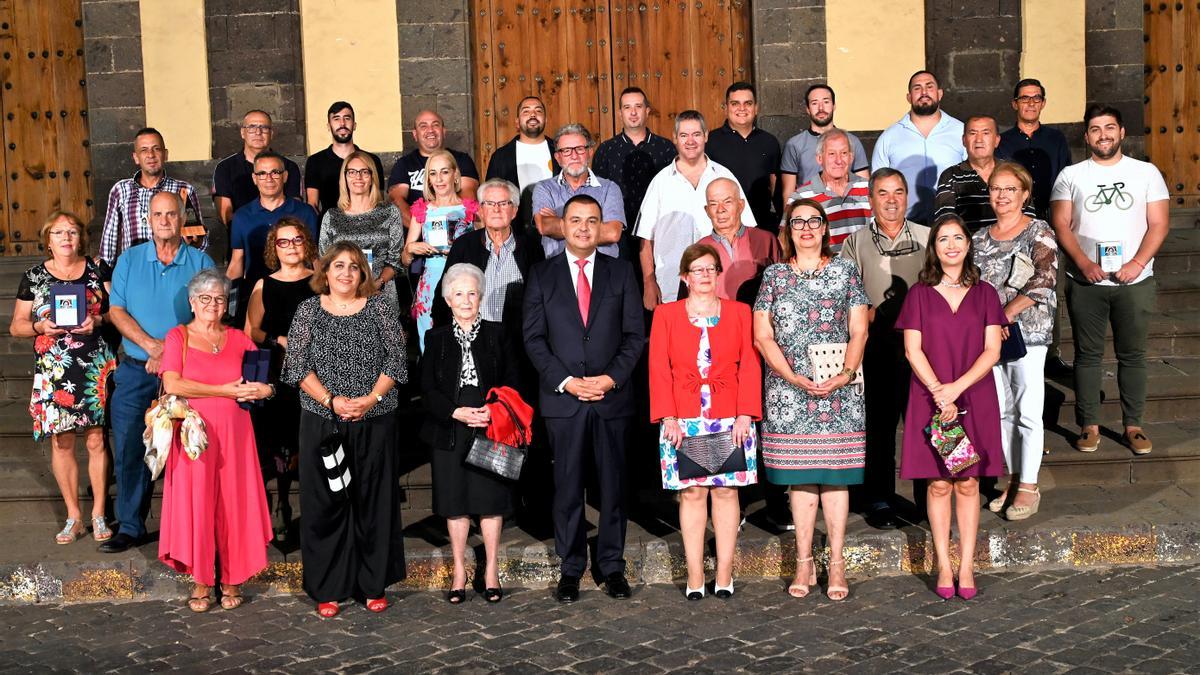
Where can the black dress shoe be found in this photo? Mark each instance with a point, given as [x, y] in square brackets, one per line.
[882, 519]
[616, 586]
[568, 589]
[120, 543]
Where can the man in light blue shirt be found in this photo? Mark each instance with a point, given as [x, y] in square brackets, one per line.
[922, 145]
[573, 148]
[149, 298]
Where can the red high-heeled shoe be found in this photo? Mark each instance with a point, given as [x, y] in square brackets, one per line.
[327, 610]
[377, 605]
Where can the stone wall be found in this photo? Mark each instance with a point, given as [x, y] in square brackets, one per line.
[435, 66]
[789, 55]
[1115, 66]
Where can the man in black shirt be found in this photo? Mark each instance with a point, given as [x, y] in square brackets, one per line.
[753, 155]
[406, 184]
[323, 170]
[631, 159]
[233, 184]
[1040, 149]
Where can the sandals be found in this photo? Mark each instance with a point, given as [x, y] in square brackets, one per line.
[457, 596]
[377, 605]
[493, 595]
[997, 504]
[843, 590]
[327, 610]
[1022, 512]
[100, 531]
[72, 531]
[797, 589]
[200, 603]
[231, 597]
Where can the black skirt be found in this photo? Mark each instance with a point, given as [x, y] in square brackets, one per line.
[460, 489]
[351, 540]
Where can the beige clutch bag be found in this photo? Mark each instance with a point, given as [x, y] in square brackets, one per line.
[828, 359]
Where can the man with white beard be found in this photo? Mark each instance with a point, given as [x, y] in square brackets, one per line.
[573, 148]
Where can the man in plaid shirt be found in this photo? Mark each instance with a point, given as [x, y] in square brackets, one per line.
[125, 223]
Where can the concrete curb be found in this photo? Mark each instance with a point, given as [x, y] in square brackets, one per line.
[649, 560]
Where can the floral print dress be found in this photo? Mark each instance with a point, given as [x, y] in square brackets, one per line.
[70, 381]
[704, 424]
[440, 226]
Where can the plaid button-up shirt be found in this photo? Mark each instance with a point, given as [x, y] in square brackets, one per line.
[126, 222]
[501, 271]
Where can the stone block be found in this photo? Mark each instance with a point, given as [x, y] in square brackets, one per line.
[790, 25]
[256, 32]
[243, 97]
[115, 90]
[127, 54]
[1114, 82]
[228, 7]
[990, 32]
[961, 9]
[226, 140]
[110, 163]
[786, 4]
[433, 41]
[790, 62]
[289, 139]
[421, 11]
[977, 70]
[963, 104]
[412, 104]
[435, 76]
[216, 33]
[115, 125]
[97, 55]
[1116, 47]
[457, 112]
[112, 19]
[1110, 14]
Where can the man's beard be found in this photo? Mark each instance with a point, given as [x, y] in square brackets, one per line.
[822, 121]
[347, 138]
[576, 173]
[1106, 154]
[924, 110]
[532, 128]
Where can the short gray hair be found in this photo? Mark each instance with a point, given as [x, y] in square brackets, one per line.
[692, 116]
[462, 270]
[835, 133]
[514, 192]
[577, 129]
[206, 279]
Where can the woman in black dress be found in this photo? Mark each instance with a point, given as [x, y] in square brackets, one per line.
[290, 251]
[346, 352]
[461, 362]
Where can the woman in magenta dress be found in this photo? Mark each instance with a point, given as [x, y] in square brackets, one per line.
[214, 506]
[951, 322]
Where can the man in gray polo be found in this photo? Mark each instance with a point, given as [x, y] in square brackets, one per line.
[573, 148]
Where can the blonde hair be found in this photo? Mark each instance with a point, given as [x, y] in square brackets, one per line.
[375, 196]
[44, 232]
[427, 190]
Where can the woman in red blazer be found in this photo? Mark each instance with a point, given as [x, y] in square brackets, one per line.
[706, 390]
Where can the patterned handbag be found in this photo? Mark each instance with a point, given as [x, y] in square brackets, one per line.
[503, 460]
[709, 455]
[828, 359]
[952, 444]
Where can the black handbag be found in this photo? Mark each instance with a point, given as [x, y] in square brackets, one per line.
[503, 460]
[1014, 347]
[709, 455]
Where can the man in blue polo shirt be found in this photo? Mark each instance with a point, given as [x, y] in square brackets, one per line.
[573, 148]
[149, 297]
[922, 145]
[248, 233]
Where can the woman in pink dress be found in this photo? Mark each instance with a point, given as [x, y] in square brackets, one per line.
[213, 506]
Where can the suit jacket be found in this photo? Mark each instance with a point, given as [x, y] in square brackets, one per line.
[560, 346]
[440, 365]
[503, 164]
[735, 379]
[472, 248]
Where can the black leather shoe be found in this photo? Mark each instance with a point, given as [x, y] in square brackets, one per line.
[616, 586]
[882, 519]
[120, 543]
[568, 589]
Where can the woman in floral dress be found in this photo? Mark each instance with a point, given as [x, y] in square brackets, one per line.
[70, 382]
[438, 218]
[705, 379]
[814, 432]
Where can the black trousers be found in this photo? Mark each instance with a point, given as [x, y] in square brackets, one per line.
[571, 438]
[351, 541]
[886, 374]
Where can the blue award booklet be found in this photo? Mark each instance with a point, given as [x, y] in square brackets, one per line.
[256, 366]
[68, 305]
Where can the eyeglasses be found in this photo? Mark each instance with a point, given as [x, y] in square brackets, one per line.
[578, 150]
[257, 128]
[273, 173]
[813, 223]
[356, 173]
[65, 234]
[489, 204]
[288, 243]
[1030, 99]
[1010, 190]
[707, 270]
[211, 299]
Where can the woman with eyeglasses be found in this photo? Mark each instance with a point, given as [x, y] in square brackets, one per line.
[364, 217]
[214, 507]
[705, 384]
[290, 253]
[813, 430]
[1019, 257]
[71, 368]
[439, 218]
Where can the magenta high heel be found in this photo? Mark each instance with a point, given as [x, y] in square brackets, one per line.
[945, 592]
[966, 593]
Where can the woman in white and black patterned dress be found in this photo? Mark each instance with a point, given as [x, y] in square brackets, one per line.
[346, 352]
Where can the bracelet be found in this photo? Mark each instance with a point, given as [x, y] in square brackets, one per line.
[327, 402]
[272, 394]
[849, 372]
[1137, 262]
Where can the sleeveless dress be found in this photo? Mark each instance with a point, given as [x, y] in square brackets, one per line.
[694, 426]
[278, 420]
[440, 227]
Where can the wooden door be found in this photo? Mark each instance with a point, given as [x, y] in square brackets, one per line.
[578, 56]
[44, 107]
[1173, 97]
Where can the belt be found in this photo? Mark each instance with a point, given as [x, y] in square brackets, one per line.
[140, 363]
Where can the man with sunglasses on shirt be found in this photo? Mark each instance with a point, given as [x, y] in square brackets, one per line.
[889, 253]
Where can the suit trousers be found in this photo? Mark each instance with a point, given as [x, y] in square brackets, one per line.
[570, 440]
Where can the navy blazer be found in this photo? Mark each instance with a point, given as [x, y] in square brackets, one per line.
[560, 346]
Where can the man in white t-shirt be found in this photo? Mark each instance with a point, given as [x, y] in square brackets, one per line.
[672, 215]
[1110, 214]
[528, 157]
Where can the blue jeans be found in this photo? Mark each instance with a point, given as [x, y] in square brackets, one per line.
[134, 390]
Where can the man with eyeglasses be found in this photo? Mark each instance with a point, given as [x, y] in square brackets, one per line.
[963, 188]
[126, 222]
[406, 184]
[752, 154]
[323, 170]
[233, 183]
[248, 233]
[843, 194]
[573, 147]
[149, 298]
[889, 252]
[1041, 149]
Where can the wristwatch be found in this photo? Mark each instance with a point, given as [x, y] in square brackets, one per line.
[378, 398]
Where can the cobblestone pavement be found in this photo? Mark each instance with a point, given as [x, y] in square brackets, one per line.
[1135, 619]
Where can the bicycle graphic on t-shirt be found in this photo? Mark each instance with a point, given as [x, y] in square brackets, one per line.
[1108, 195]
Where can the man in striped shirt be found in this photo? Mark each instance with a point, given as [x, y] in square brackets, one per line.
[963, 188]
[844, 195]
[126, 221]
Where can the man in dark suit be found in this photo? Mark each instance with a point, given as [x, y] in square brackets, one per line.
[584, 332]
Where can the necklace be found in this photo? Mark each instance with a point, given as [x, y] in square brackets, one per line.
[694, 308]
[808, 274]
[947, 284]
[216, 346]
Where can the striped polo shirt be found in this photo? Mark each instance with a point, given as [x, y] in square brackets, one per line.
[847, 214]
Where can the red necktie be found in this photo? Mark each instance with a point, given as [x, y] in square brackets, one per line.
[584, 290]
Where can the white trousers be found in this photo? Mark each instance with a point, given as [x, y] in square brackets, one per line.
[1021, 388]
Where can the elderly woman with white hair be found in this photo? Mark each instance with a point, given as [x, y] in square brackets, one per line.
[461, 362]
[214, 507]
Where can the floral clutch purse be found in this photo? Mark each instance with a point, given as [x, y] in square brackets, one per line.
[952, 444]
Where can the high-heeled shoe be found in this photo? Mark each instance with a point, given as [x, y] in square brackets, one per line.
[966, 593]
[723, 592]
[71, 531]
[693, 594]
[457, 596]
[1023, 511]
[945, 592]
[493, 595]
[843, 590]
[328, 610]
[377, 605]
[800, 590]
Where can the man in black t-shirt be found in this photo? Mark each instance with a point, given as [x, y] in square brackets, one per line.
[753, 155]
[323, 170]
[406, 184]
[233, 184]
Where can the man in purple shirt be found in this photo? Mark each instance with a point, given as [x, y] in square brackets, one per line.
[573, 148]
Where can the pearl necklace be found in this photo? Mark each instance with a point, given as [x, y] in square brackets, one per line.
[947, 284]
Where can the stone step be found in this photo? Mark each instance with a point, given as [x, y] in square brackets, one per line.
[1171, 333]
[1172, 393]
[1175, 458]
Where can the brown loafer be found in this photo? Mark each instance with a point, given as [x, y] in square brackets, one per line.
[1088, 440]
[1138, 442]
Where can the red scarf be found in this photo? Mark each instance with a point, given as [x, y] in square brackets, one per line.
[510, 415]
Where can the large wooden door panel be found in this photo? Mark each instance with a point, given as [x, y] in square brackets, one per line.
[1173, 97]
